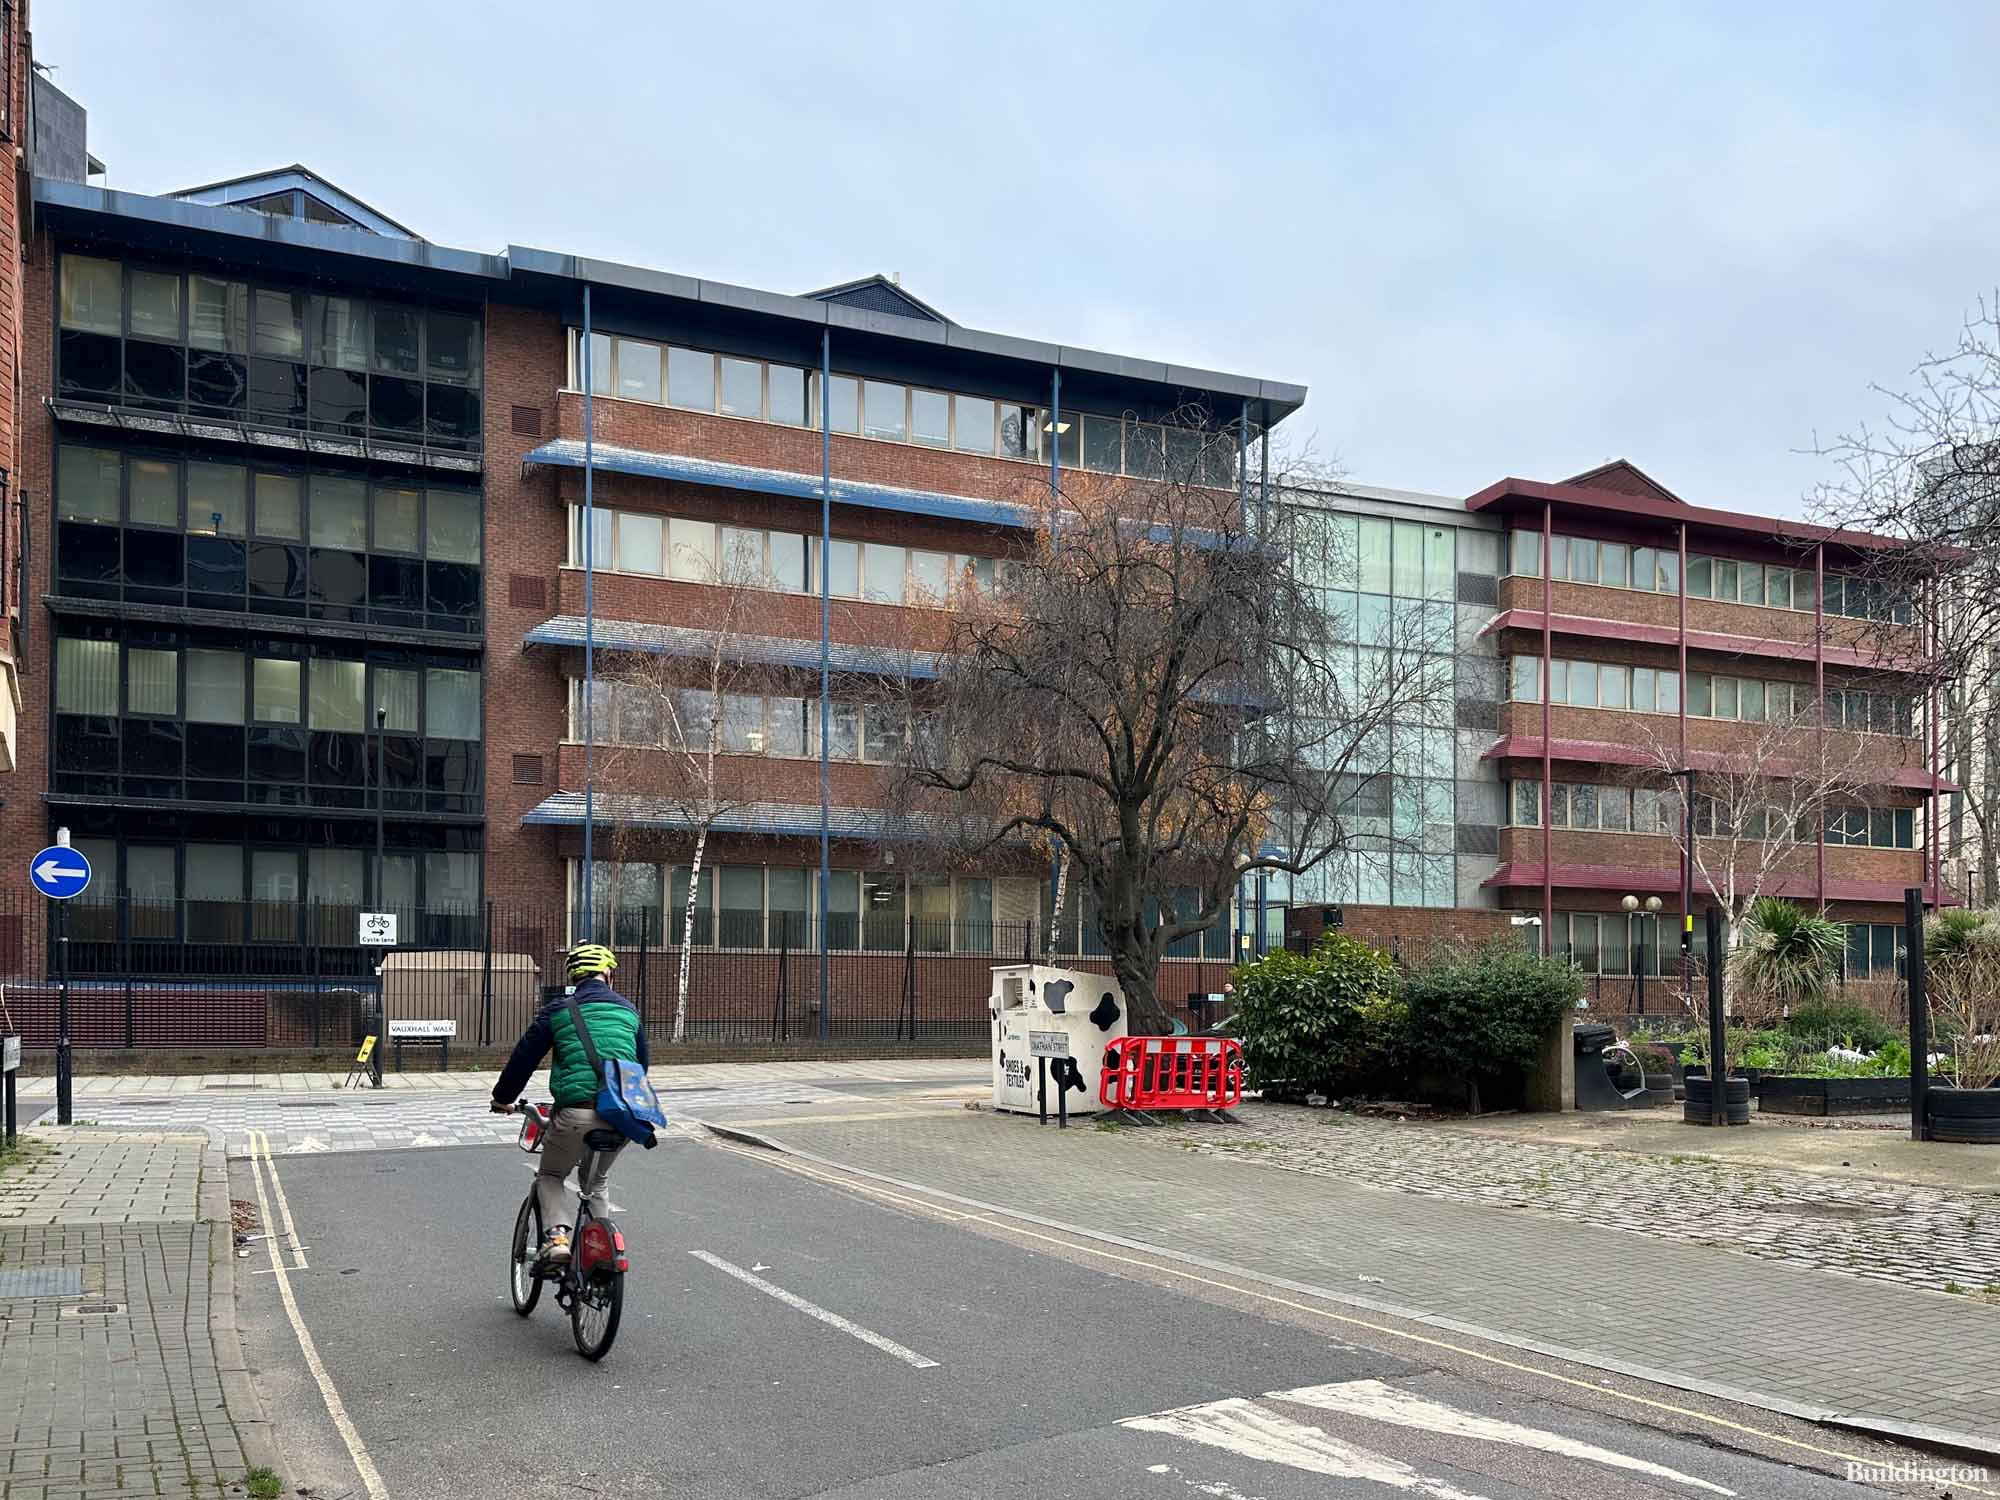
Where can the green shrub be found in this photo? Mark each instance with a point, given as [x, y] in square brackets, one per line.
[1832, 1021]
[1484, 1012]
[1327, 1022]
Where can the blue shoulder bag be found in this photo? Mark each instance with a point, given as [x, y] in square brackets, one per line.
[625, 1099]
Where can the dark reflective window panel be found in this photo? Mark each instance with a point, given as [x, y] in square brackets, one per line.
[277, 392]
[216, 572]
[452, 415]
[277, 756]
[153, 748]
[87, 553]
[218, 384]
[339, 587]
[338, 400]
[396, 405]
[89, 364]
[277, 577]
[85, 743]
[396, 591]
[215, 751]
[454, 590]
[155, 375]
[153, 562]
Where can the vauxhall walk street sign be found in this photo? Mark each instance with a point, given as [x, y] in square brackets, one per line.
[59, 872]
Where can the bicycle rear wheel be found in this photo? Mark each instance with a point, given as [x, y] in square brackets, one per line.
[522, 1283]
[594, 1313]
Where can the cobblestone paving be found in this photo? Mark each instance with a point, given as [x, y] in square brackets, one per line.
[1918, 1236]
[386, 1120]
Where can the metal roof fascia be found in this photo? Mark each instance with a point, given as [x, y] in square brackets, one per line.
[242, 225]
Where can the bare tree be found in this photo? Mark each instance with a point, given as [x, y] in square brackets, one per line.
[1928, 478]
[671, 720]
[1761, 805]
[1164, 689]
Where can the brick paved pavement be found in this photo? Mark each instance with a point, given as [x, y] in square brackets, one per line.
[135, 1385]
[1925, 1237]
[1781, 1336]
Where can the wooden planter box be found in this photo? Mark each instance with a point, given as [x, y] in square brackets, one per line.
[1786, 1094]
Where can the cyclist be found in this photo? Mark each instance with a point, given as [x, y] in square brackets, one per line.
[617, 1033]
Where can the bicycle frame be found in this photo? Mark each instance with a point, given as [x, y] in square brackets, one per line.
[596, 1245]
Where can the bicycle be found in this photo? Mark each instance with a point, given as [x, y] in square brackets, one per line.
[590, 1285]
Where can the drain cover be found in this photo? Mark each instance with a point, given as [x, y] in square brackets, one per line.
[42, 1281]
[93, 1309]
[308, 1104]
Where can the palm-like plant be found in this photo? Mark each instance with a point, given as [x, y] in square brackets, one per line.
[1786, 957]
[1962, 952]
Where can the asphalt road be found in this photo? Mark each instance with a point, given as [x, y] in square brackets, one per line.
[1045, 1371]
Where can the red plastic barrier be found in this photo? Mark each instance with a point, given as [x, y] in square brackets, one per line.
[1172, 1072]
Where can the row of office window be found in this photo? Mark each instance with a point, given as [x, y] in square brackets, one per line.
[1373, 877]
[1344, 554]
[624, 713]
[1590, 684]
[228, 892]
[890, 411]
[160, 529]
[268, 722]
[708, 552]
[1620, 945]
[1710, 695]
[1582, 559]
[1651, 810]
[882, 911]
[162, 339]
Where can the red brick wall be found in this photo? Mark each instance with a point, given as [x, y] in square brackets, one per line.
[24, 824]
[526, 700]
[1406, 930]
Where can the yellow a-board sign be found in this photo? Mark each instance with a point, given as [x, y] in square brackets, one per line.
[360, 1069]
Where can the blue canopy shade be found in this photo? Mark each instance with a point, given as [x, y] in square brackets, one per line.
[773, 819]
[763, 650]
[567, 453]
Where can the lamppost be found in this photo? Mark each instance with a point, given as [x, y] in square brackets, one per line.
[1651, 908]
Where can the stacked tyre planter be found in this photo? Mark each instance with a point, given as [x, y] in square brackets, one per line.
[1698, 1109]
[1968, 1116]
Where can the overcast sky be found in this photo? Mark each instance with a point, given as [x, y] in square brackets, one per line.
[1492, 239]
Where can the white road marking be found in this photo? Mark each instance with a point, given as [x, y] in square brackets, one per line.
[371, 1478]
[262, 1143]
[813, 1310]
[1380, 1403]
[1248, 1430]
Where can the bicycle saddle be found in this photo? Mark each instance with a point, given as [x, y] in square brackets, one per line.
[603, 1140]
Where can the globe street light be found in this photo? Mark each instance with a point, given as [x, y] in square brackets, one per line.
[1651, 907]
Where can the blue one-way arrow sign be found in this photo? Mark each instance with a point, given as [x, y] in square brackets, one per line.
[59, 873]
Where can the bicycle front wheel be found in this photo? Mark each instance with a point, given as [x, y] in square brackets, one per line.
[593, 1315]
[522, 1283]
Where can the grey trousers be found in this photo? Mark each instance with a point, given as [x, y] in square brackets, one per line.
[562, 1150]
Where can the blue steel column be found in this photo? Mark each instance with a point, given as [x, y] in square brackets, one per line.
[825, 647]
[589, 630]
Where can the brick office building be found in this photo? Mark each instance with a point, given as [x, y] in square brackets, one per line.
[305, 495]
[1683, 637]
